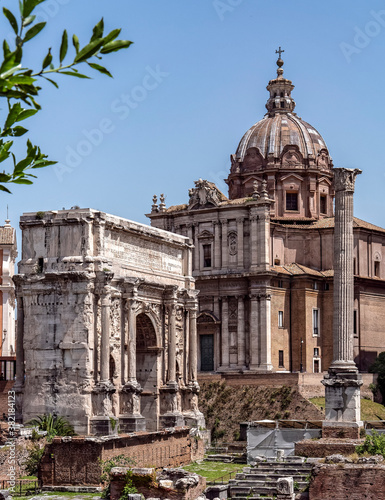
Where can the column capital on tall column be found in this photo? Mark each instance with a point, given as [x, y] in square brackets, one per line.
[344, 178]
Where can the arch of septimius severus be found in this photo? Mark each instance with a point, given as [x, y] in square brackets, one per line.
[106, 323]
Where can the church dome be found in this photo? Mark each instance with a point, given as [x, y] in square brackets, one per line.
[273, 133]
[288, 154]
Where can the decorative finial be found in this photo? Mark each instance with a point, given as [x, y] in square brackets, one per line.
[154, 207]
[279, 61]
[162, 205]
[255, 194]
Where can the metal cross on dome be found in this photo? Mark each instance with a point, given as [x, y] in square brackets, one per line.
[279, 51]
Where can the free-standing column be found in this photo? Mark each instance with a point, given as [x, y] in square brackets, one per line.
[171, 344]
[342, 382]
[19, 343]
[254, 331]
[225, 246]
[193, 361]
[241, 332]
[265, 339]
[225, 333]
[343, 291]
[240, 263]
[105, 339]
[217, 244]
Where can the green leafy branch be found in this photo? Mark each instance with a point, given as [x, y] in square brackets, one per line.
[19, 84]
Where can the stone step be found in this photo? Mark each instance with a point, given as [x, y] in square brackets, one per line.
[286, 469]
[266, 477]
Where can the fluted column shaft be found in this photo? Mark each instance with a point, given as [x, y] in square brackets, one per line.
[193, 361]
[172, 343]
[131, 375]
[105, 339]
[241, 332]
[343, 268]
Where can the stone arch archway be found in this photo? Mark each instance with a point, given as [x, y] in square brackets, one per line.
[147, 369]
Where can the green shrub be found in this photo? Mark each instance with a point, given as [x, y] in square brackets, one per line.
[374, 444]
[33, 461]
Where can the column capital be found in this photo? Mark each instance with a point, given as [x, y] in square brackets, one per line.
[254, 296]
[344, 178]
[240, 220]
[224, 222]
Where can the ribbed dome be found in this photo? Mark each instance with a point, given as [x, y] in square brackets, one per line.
[271, 134]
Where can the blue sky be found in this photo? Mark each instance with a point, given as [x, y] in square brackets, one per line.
[193, 82]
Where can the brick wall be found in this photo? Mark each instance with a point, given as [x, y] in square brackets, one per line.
[352, 481]
[75, 461]
[325, 447]
[5, 386]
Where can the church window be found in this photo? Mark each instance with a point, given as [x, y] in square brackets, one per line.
[274, 105]
[377, 268]
[291, 201]
[206, 255]
[282, 104]
[323, 204]
[280, 359]
[316, 352]
[280, 319]
[281, 94]
[315, 322]
[355, 317]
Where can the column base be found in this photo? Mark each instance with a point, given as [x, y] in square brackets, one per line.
[342, 397]
[104, 426]
[341, 430]
[132, 423]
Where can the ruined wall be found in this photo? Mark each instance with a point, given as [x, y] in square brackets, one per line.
[75, 461]
[342, 481]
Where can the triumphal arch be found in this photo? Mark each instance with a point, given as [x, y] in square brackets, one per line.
[106, 323]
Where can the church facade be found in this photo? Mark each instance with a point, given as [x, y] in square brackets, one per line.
[263, 256]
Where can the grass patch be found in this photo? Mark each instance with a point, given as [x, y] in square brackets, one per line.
[369, 409]
[64, 494]
[213, 470]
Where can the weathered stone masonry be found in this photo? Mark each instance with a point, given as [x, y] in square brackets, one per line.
[107, 321]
